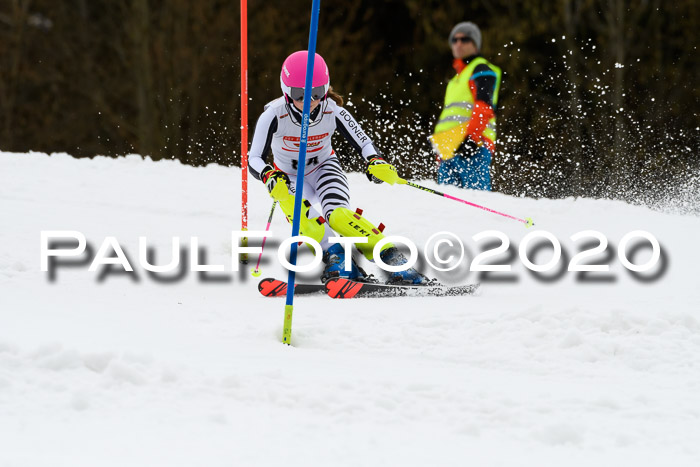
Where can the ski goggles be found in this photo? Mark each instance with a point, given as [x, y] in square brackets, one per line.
[297, 94]
[463, 40]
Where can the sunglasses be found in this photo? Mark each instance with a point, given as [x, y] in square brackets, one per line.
[317, 93]
[463, 40]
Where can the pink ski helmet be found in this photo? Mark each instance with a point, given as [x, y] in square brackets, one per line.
[293, 77]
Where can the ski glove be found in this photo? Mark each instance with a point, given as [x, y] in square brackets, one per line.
[380, 171]
[271, 177]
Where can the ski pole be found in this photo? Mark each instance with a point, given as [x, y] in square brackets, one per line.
[527, 221]
[256, 272]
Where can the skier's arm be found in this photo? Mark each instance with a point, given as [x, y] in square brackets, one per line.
[348, 127]
[378, 170]
[265, 128]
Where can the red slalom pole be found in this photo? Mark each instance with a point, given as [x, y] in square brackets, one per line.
[527, 221]
[244, 126]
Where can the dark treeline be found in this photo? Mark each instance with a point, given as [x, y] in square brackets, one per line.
[599, 98]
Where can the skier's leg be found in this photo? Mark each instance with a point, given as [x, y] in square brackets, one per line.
[330, 186]
[353, 224]
[332, 189]
[311, 224]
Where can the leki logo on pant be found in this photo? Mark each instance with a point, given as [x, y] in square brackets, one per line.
[359, 229]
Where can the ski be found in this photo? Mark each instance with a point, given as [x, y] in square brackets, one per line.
[344, 288]
[276, 288]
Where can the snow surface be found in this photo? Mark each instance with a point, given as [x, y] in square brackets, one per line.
[124, 369]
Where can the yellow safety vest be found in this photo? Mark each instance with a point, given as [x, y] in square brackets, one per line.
[451, 128]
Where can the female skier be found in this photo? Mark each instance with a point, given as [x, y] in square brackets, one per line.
[278, 130]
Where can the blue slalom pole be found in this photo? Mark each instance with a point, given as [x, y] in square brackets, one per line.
[289, 307]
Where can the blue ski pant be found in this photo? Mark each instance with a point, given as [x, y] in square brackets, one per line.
[467, 172]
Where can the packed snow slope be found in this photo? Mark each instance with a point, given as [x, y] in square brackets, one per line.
[110, 368]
